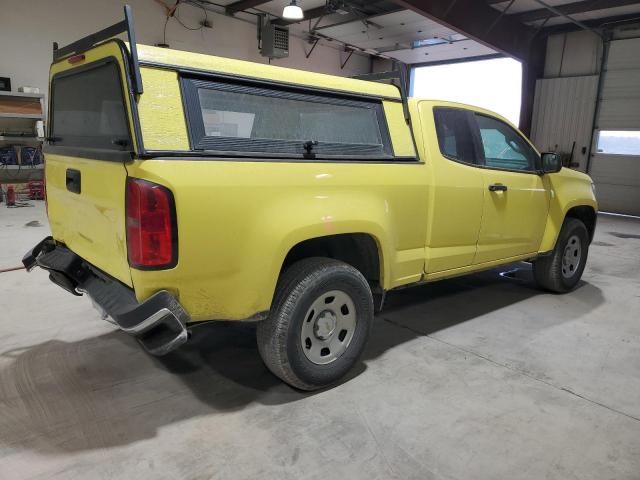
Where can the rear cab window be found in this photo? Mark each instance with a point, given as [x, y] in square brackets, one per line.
[243, 119]
[455, 137]
[88, 109]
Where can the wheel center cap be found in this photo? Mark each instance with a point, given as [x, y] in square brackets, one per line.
[325, 325]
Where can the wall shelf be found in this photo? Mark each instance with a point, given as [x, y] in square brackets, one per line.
[20, 139]
[21, 94]
[34, 116]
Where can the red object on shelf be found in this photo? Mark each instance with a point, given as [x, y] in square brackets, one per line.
[36, 190]
[11, 196]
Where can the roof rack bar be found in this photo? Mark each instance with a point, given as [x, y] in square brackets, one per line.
[87, 42]
[400, 75]
[135, 66]
[375, 77]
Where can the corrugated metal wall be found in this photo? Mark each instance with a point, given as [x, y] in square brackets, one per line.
[563, 114]
[617, 177]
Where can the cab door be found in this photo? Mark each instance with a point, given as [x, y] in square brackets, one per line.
[516, 203]
[455, 187]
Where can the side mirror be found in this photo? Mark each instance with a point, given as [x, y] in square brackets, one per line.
[551, 162]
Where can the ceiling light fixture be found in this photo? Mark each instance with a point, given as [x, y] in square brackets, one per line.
[293, 11]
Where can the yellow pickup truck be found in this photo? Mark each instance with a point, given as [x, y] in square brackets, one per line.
[185, 188]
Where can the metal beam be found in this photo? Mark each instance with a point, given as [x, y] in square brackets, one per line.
[572, 9]
[596, 23]
[471, 17]
[532, 70]
[452, 61]
[243, 5]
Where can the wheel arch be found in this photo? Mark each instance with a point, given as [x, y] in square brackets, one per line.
[362, 251]
[587, 215]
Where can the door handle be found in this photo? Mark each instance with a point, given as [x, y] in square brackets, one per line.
[498, 187]
[73, 180]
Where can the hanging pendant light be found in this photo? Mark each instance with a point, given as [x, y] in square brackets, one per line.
[293, 11]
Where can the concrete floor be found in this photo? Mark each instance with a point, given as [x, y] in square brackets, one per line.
[482, 377]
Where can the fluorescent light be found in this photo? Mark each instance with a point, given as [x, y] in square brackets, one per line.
[293, 11]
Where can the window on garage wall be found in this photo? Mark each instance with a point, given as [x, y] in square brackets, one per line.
[619, 142]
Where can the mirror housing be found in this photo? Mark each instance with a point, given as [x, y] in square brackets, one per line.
[551, 162]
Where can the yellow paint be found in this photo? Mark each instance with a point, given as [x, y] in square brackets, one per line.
[92, 223]
[238, 219]
[400, 134]
[513, 221]
[210, 63]
[160, 108]
[478, 267]
[455, 200]
[567, 189]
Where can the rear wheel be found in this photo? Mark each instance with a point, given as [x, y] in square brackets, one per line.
[319, 323]
[561, 271]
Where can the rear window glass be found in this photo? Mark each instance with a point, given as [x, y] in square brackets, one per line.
[88, 109]
[454, 134]
[234, 118]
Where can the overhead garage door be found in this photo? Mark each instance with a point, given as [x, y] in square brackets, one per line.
[615, 162]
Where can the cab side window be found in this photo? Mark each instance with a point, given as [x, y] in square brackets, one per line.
[454, 134]
[504, 148]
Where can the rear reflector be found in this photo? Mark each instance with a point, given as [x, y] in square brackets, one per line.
[152, 241]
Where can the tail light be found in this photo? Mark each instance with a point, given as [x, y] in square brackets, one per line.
[152, 240]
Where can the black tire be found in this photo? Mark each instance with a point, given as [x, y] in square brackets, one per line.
[548, 271]
[299, 289]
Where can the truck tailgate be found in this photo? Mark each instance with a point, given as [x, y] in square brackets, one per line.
[90, 142]
[90, 223]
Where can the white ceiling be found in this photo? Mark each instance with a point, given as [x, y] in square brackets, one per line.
[394, 33]
[438, 53]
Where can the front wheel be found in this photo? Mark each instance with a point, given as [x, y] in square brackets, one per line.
[319, 323]
[561, 271]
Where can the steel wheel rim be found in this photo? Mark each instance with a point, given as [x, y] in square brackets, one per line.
[572, 256]
[328, 327]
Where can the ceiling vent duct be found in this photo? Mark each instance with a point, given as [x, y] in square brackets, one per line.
[273, 39]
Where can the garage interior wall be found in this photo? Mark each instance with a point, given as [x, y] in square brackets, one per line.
[566, 103]
[565, 98]
[43, 22]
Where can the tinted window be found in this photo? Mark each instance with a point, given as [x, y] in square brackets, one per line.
[503, 146]
[227, 117]
[88, 109]
[454, 134]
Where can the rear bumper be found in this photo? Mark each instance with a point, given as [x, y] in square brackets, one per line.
[159, 323]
